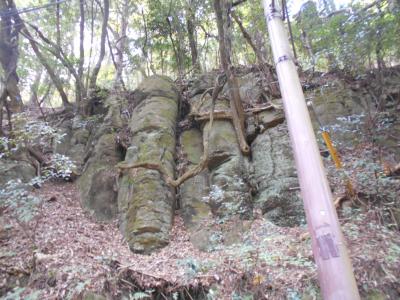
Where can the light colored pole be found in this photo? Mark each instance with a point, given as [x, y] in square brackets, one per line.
[335, 272]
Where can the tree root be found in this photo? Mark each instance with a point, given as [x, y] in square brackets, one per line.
[204, 159]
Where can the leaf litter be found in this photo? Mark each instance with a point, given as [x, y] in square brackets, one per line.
[73, 254]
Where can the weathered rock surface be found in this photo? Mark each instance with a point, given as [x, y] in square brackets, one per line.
[14, 170]
[230, 187]
[194, 191]
[274, 177]
[230, 193]
[145, 201]
[73, 144]
[98, 183]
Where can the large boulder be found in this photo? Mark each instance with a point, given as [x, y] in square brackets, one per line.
[14, 170]
[145, 202]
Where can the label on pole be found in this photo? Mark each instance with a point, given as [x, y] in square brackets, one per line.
[327, 245]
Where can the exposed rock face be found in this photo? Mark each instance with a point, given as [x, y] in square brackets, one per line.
[98, 183]
[194, 191]
[145, 201]
[13, 170]
[274, 177]
[230, 193]
[228, 188]
[73, 144]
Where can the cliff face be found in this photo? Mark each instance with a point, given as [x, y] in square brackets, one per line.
[230, 185]
[160, 134]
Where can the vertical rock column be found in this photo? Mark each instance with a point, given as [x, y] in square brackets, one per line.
[145, 201]
[195, 189]
[274, 177]
[229, 193]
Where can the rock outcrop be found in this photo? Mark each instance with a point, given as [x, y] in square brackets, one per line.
[14, 170]
[228, 189]
[145, 201]
[193, 193]
[273, 174]
[98, 182]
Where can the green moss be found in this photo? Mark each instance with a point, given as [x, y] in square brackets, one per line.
[192, 145]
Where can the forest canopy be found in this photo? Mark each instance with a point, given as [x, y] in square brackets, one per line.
[159, 149]
[67, 47]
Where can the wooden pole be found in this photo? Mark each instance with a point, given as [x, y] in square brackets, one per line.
[334, 267]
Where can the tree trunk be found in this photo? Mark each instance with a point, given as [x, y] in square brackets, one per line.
[34, 89]
[80, 84]
[121, 45]
[58, 24]
[92, 14]
[58, 52]
[54, 78]
[9, 35]
[191, 29]
[266, 68]
[96, 69]
[222, 11]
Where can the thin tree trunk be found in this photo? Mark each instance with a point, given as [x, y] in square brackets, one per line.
[34, 99]
[34, 89]
[191, 29]
[9, 54]
[145, 49]
[54, 78]
[3, 97]
[58, 52]
[120, 81]
[58, 24]
[91, 46]
[121, 44]
[222, 11]
[175, 49]
[81, 49]
[96, 69]
[266, 68]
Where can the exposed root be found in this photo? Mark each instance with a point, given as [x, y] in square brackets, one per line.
[204, 159]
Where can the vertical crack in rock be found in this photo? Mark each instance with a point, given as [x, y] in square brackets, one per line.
[274, 175]
[145, 201]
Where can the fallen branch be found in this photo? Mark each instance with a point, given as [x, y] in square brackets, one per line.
[223, 114]
[220, 115]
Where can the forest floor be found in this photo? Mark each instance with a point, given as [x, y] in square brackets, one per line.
[66, 254]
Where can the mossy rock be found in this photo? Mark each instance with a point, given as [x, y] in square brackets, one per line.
[274, 177]
[375, 295]
[13, 170]
[97, 184]
[191, 142]
[145, 202]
